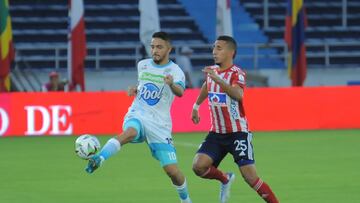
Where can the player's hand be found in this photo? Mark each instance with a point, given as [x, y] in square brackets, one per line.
[195, 116]
[132, 91]
[169, 80]
[211, 73]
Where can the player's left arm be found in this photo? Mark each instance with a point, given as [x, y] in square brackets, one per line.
[235, 91]
[177, 89]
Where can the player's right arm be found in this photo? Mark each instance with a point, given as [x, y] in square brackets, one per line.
[132, 90]
[195, 112]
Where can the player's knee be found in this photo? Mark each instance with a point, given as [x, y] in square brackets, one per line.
[199, 169]
[127, 136]
[131, 132]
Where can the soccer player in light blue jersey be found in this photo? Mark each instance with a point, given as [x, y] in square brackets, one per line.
[148, 119]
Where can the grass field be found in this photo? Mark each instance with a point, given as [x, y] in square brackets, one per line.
[304, 166]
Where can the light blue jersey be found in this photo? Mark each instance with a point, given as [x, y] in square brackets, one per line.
[149, 114]
[154, 97]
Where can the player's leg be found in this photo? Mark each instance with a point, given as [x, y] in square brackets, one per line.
[166, 154]
[132, 133]
[114, 145]
[207, 159]
[203, 166]
[243, 153]
[261, 187]
[179, 181]
[160, 142]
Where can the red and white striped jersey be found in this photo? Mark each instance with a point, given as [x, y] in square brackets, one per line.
[227, 114]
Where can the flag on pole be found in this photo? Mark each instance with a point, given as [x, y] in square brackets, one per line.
[223, 18]
[149, 22]
[295, 38]
[7, 53]
[76, 45]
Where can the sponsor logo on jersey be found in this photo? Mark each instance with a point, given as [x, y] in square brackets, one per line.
[151, 77]
[151, 93]
[233, 110]
[217, 99]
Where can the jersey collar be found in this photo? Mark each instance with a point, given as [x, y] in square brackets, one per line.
[221, 71]
[160, 66]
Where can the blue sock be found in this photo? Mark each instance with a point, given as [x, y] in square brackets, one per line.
[183, 191]
[110, 148]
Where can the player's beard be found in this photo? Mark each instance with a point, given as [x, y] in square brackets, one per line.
[157, 59]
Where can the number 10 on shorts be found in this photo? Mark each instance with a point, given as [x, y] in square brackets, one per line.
[172, 156]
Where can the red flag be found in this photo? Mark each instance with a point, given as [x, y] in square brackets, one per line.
[295, 38]
[76, 45]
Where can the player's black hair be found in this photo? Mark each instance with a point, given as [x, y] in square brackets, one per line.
[230, 41]
[162, 35]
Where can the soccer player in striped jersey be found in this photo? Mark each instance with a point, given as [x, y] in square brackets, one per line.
[229, 133]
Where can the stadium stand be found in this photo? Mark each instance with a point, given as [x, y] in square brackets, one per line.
[112, 28]
[332, 41]
[246, 32]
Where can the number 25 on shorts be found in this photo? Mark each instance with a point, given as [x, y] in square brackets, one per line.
[240, 146]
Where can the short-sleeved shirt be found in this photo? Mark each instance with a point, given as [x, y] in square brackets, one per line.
[227, 114]
[154, 96]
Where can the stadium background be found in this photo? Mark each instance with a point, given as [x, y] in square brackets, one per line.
[301, 166]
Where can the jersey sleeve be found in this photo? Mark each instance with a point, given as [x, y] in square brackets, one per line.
[179, 77]
[140, 64]
[238, 78]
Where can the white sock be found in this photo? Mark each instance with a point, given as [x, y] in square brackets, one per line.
[110, 148]
[183, 191]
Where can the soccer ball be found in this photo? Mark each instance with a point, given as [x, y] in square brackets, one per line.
[86, 146]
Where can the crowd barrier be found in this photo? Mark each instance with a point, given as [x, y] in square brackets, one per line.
[267, 109]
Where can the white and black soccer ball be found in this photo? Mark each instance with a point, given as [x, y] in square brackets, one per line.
[86, 146]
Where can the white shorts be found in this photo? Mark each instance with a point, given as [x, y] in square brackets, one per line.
[156, 134]
[151, 129]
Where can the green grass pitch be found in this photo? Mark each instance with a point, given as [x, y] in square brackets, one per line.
[303, 166]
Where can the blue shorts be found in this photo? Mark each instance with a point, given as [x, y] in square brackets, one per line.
[163, 152]
[239, 144]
